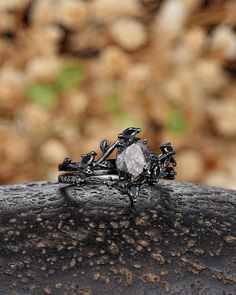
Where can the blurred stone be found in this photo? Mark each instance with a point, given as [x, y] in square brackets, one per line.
[182, 89]
[153, 55]
[13, 4]
[230, 166]
[42, 12]
[72, 14]
[106, 11]
[16, 154]
[230, 8]
[75, 103]
[138, 77]
[113, 61]
[196, 41]
[43, 68]
[7, 52]
[35, 121]
[182, 56]
[155, 104]
[220, 179]
[129, 33]
[171, 18]
[223, 116]
[190, 165]
[53, 151]
[42, 41]
[223, 42]
[88, 43]
[52, 173]
[11, 90]
[192, 4]
[210, 75]
[7, 21]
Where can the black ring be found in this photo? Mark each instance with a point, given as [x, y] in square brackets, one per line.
[133, 166]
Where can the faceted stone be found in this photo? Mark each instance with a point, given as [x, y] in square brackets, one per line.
[133, 159]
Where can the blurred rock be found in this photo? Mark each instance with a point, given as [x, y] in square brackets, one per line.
[220, 179]
[155, 104]
[42, 13]
[171, 18]
[167, 66]
[129, 33]
[190, 166]
[136, 82]
[225, 173]
[44, 41]
[230, 166]
[114, 62]
[138, 76]
[53, 151]
[43, 68]
[223, 116]
[75, 103]
[230, 7]
[13, 4]
[223, 42]
[106, 11]
[16, 154]
[72, 14]
[7, 22]
[88, 43]
[35, 121]
[196, 42]
[11, 90]
[210, 76]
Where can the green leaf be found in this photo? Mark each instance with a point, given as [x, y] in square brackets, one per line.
[42, 94]
[177, 122]
[119, 115]
[142, 93]
[114, 106]
[69, 77]
[127, 120]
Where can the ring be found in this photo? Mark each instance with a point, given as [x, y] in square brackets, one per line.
[135, 165]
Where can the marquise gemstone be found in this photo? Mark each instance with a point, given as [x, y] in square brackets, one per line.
[133, 159]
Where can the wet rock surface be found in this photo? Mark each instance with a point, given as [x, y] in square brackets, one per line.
[58, 239]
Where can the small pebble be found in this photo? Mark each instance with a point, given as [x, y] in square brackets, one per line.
[47, 290]
[129, 33]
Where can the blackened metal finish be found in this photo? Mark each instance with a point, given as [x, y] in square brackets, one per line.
[179, 239]
[135, 165]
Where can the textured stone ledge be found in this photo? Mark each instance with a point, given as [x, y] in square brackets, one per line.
[57, 239]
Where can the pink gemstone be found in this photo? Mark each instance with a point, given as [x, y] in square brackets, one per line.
[133, 159]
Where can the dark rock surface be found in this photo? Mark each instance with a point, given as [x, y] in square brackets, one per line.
[58, 239]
